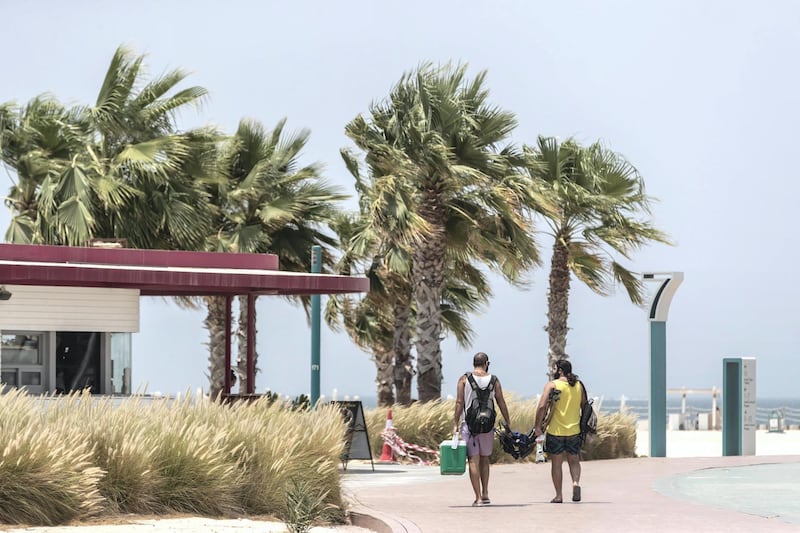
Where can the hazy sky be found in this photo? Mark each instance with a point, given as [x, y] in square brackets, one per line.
[701, 96]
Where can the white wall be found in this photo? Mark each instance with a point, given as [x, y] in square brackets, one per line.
[70, 309]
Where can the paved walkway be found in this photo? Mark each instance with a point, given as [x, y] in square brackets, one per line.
[725, 494]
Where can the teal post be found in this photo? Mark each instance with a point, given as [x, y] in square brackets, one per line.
[316, 268]
[658, 389]
[659, 309]
[731, 406]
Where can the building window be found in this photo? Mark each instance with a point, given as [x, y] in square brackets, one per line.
[78, 361]
[20, 350]
[22, 361]
[121, 363]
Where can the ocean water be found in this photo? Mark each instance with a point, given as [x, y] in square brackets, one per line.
[765, 407]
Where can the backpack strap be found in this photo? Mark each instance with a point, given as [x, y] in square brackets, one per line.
[585, 394]
[472, 382]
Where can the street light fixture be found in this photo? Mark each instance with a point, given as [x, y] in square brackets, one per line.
[659, 309]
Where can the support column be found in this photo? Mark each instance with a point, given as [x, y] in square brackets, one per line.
[316, 268]
[658, 389]
[251, 344]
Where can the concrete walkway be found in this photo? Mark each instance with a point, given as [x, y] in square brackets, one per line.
[706, 494]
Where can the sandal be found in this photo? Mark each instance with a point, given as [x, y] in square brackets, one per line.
[477, 503]
[485, 501]
[556, 500]
[576, 493]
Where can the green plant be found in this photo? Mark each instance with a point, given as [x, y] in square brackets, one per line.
[305, 504]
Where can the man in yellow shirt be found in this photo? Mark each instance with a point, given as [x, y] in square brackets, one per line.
[563, 433]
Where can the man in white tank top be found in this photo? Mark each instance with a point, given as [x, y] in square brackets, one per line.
[479, 447]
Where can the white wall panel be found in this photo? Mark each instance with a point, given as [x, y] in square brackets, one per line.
[70, 309]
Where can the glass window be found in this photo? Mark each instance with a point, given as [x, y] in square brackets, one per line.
[9, 377]
[78, 361]
[20, 349]
[31, 378]
[120, 363]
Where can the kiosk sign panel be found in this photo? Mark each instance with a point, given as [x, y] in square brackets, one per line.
[739, 406]
[748, 406]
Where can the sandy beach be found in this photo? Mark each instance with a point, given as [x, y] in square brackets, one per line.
[709, 443]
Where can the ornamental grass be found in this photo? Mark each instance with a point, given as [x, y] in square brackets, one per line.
[77, 457]
[429, 424]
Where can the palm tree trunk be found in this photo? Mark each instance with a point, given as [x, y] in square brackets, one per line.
[383, 364]
[558, 303]
[428, 275]
[241, 346]
[215, 324]
[403, 360]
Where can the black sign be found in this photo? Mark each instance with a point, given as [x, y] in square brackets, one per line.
[356, 438]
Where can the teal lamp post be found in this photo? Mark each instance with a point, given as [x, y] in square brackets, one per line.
[659, 308]
[316, 268]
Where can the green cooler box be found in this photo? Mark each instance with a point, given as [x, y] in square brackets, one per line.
[452, 462]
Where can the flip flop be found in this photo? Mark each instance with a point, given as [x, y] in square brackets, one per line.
[486, 501]
[576, 493]
[477, 503]
[556, 500]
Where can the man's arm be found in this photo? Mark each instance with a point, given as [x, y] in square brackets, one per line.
[542, 408]
[501, 403]
[459, 404]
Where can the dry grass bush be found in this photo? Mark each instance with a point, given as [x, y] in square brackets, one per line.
[78, 456]
[430, 424]
[423, 424]
[125, 447]
[279, 448]
[196, 470]
[46, 472]
[616, 437]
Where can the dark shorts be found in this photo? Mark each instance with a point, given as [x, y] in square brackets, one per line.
[555, 445]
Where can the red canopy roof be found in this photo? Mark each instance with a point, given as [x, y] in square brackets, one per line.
[163, 272]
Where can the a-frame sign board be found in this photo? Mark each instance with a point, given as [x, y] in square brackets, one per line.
[356, 439]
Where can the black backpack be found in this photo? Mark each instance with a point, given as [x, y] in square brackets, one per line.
[588, 419]
[480, 415]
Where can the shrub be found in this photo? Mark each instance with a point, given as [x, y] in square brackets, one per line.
[78, 456]
[428, 424]
[278, 447]
[46, 471]
[616, 437]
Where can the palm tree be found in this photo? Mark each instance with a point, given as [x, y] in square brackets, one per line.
[439, 129]
[117, 169]
[594, 199]
[266, 202]
[383, 234]
[376, 321]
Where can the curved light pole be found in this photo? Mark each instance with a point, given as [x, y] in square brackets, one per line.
[659, 309]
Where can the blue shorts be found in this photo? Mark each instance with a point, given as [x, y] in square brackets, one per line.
[480, 444]
[555, 444]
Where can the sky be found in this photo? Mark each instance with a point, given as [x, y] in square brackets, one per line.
[702, 97]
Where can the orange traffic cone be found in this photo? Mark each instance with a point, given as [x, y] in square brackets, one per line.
[387, 454]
